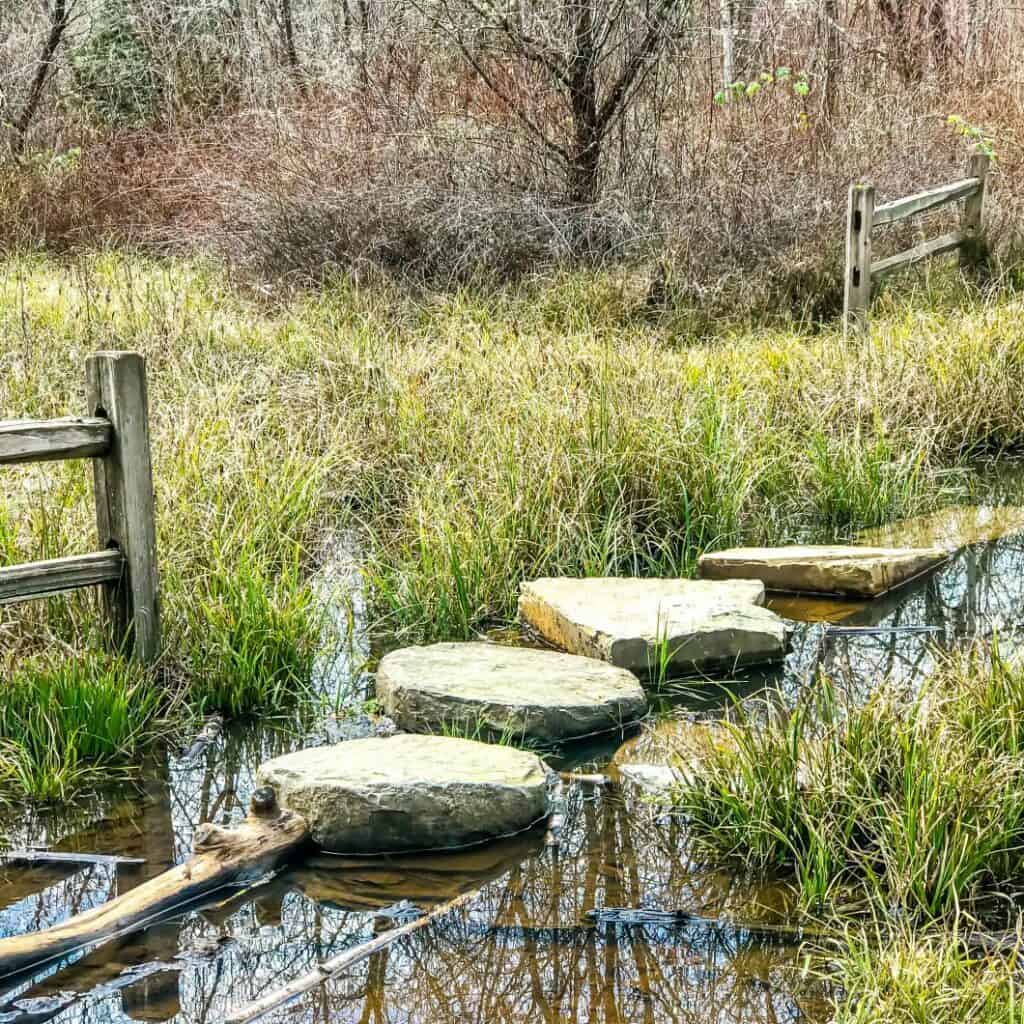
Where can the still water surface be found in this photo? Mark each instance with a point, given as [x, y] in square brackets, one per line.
[526, 947]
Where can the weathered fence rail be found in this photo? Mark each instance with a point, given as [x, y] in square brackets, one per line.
[115, 436]
[862, 217]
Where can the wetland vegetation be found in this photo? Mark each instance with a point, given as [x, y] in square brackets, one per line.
[434, 301]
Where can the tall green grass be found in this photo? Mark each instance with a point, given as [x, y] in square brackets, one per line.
[472, 439]
[67, 722]
[913, 802]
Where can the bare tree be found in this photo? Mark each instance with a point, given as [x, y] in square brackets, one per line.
[59, 17]
[288, 40]
[594, 54]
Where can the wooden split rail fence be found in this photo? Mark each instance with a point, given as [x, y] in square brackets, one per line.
[863, 217]
[115, 435]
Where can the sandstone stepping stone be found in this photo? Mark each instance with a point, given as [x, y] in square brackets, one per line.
[951, 529]
[698, 624]
[540, 695]
[407, 792]
[822, 568]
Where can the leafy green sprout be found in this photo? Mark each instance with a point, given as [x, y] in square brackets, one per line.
[974, 134]
[740, 89]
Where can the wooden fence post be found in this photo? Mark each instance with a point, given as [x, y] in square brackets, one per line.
[974, 252]
[860, 213]
[116, 389]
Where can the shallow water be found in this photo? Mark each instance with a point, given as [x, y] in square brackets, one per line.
[524, 948]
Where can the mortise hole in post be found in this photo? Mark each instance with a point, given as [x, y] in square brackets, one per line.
[857, 220]
[856, 277]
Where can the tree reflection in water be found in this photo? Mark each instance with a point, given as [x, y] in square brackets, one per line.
[524, 949]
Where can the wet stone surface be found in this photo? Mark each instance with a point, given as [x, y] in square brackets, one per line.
[854, 571]
[516, 692]
[409, 792]
[646, 624]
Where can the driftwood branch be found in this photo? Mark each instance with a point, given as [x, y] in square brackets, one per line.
[222, 858]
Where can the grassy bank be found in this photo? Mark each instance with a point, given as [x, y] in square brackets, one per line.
[906, 812]
[473, 439]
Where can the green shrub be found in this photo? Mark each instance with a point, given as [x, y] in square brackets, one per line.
[112, 71]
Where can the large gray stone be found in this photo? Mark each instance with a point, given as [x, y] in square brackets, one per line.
[409, 792]
[539, 695]
[822, 568]
[697, 624]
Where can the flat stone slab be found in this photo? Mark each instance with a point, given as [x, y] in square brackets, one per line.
[951, 529]
[822, 568]
[698, 624]
[539, 695]
[407, 793]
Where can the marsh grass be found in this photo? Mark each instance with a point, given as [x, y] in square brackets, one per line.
[930, 977]
[66, 722]
[472, 439]
[479, 729]
[909, 801]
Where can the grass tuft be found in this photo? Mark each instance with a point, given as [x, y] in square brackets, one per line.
[909, 801]
[925, 978]
[68, 722]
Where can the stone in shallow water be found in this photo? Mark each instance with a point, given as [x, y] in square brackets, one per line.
[696, 624]
[540, 695]
[822, 568]
[951, 529]
[409, 792]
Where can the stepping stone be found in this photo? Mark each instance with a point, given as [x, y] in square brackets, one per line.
[538, 695]
[822, 569]
[951, 529]
[407, 793]
[697, 624]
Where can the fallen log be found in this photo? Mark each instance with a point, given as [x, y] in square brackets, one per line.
[222, 858]
[259, 1008]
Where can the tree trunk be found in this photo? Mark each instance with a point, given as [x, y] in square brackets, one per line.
[585, 155]
[291, 53]
[728, 43]
[832, 59]
[59, 18]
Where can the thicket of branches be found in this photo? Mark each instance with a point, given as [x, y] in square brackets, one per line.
[442, 138]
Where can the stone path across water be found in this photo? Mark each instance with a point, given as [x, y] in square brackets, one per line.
[417, 792]
[691, 625]
[525, 693]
